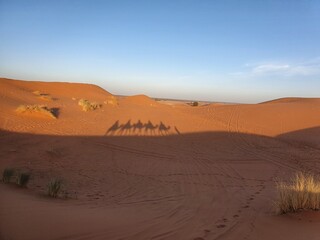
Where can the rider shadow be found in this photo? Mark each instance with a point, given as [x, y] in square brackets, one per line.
[138, 127]
[113, 129]
[126, 128]
[150, 128]
[163, 129]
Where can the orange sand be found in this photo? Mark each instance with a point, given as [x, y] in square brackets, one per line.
[147, 170]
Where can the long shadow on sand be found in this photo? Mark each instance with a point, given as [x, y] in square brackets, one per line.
[154, 181]
[139, 128]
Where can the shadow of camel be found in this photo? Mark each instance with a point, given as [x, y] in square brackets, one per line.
[150, 128]
[140, 128]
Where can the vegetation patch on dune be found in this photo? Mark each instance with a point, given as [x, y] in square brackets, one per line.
[43, 96]
[111, 100]
[194, 104]
[23, 179]
[302, 192]
[7, 175]
[88, 106]
[46, 97]
[42, 109]
[54, 187]
[37, 93]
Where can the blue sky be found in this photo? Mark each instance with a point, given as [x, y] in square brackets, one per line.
[236, 51]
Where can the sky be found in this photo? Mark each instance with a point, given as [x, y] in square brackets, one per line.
[229, 51]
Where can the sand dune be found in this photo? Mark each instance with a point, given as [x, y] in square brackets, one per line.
[139, 100]
[147, 170]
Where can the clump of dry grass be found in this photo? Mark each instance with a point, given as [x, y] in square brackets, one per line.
[23, 179]
[7, 175]
[36, 109]
[37, 93]
[302, 192]
[54, 188]
[88, 106]
[45, 97]
[111, 100]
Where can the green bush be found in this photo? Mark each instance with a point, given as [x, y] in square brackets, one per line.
[54, 187]
[7, 175]
[23, 179]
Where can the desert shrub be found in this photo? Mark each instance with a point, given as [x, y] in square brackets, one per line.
[36, 109]
[302, 192]
[54, 187]
[37, 93]
[111, 100]
[23, 179]
[46, 97]
[88, 106]
[7, 175]
[194, 104]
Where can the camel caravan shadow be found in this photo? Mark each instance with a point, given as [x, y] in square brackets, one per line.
[141, 129]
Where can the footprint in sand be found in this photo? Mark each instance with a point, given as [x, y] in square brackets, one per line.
[221, 226]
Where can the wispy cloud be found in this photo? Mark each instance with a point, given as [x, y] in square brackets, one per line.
[270, 68]
[306, 68]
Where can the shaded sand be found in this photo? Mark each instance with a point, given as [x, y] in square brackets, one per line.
[146, 170]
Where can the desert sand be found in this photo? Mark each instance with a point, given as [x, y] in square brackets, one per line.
[141, 169]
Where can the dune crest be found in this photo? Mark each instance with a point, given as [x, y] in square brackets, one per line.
[139, 100]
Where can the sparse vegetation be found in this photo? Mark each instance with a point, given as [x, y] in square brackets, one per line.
[302, 192]
[46, 97]
[88, 106]
[54, 187]
[111, 100]
[36, 109]
[43, 96]
[194, 104]
[23, 179]
[7, 175]
[37, 93]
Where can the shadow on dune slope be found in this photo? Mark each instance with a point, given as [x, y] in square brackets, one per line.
[306, 137]
[181, 186]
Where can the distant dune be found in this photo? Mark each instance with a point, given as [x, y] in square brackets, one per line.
[292, 100]
[142, 169]
[140, 100]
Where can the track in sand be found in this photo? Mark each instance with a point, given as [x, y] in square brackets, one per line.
[144, 170]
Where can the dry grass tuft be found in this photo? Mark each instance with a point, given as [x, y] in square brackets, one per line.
[111, 100]
[45, 97]
[7, 175]
[37, 93]
[23, 179]
[54, 188]
[302, 192]
[88, 106]
[36, 109]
